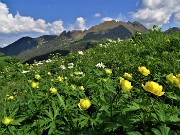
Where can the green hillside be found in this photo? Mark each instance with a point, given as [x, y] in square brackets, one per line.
[119, 87]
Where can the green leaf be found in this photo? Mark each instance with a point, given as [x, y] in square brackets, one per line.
[132, 107]
[52, 127]
[156, 131]
[55, 109]
[174, 118]
[18, 121]
[163, 130]
[61, 101]
[83, 123]
[134, 133]
[111, 126]
[159, 115]
[49, 114]
[172, 96]
[104, 108]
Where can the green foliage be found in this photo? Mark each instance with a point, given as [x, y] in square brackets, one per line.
[35, 109]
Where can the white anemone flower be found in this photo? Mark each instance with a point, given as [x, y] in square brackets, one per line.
[24, 72]
[80, 53]
[62, 67]
[100, 65]
[70, 65]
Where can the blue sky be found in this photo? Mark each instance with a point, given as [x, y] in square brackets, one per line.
[39, 17]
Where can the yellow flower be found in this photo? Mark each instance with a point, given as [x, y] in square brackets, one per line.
[31, 66]
[37, 76]
[73, 87]
[10, 97]
[84, 104]
[7, 121]
[178, 76]
[29, 81]
[125, 84]
[154, 88]
[176, 82]
[170, 77]
[143, 70]
[49, 73]
[127, 75]
[104, 80]
[81, 88]
[35, 85]
[60, 79]
[53, 90]
[108, 71]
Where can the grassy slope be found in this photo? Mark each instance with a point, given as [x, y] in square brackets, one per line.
[157, 51]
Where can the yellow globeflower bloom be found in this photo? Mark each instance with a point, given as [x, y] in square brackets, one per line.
[29, 81]
[154, 88]
[176, 82]
[125, 84]
[60, 79]
[178, 76]
[127, 75]
[10, 97]
[49, 73]
[35, 85]
[170, 77]
[7, 120]
[108, 71]
[53, 90]
[143, 70]
[84, 104]
[73, 87]
[81, 88]
[104, 80]
[37, 76]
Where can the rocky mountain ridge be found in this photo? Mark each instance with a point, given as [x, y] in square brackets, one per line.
[30, 48]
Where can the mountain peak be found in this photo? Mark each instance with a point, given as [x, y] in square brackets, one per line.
[27, 47]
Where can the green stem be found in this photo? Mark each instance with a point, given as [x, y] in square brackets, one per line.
[118, 90]
[144, 112]
[155, 110]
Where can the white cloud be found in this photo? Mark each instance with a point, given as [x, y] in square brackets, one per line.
[106, 19]
[79, 25]
[21, 24]
[56, 27]
[97, 15]
[157, 12]
[120, 17]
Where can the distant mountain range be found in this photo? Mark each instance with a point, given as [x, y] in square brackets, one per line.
[171, 30]
[29, 49]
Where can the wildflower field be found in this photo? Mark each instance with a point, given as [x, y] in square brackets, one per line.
[122, 87]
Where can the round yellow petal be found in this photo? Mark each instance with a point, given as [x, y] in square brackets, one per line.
[84, 104]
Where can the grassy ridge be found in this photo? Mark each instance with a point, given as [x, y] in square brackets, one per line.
[44, 98]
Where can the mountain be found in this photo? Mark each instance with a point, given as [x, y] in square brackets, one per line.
[28, 48]
[171, 30]
[24, 44]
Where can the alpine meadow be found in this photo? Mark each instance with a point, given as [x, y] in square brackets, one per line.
[117, 87]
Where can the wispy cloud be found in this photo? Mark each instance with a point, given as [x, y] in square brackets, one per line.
[157, 12]
[97, 15]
